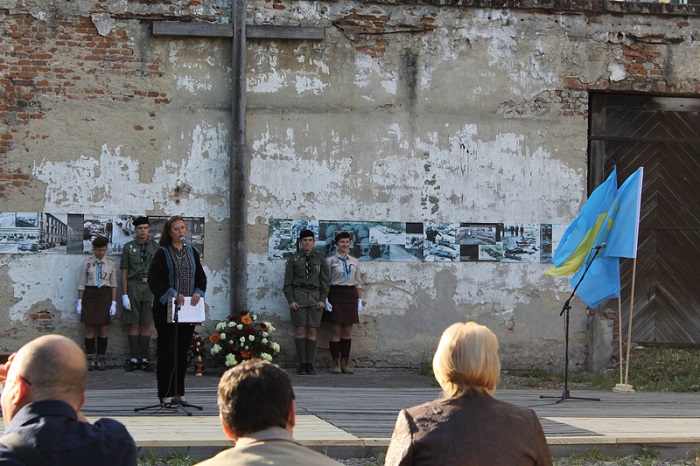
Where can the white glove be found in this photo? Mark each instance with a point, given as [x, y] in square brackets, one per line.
[79, 307]
[125, 302]
[328, 308]
[113, 308]
[359, 305]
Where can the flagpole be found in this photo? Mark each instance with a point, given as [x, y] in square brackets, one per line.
[619, 334]
[625, 387]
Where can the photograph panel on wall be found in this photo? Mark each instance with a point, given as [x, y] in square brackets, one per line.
[281, 243]
[327, 229]
[480, 241]
[195, 230]
[300, 225]
[558, 231]
[440, 242]
[387, 242]
[53, 235]
[521, 242]
[412, 249]
[546, 242]
[19, 232]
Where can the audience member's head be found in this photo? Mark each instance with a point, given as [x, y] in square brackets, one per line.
[51, 367]
[253, 396]
[466, 360]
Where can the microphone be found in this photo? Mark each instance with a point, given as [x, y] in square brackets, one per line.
[601, 246]
[182, 239]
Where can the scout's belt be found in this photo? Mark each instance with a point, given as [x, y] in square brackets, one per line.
[307, 287]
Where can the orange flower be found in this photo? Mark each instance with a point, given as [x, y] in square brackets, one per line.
[214, 337]
[245, 354]
[246, 320]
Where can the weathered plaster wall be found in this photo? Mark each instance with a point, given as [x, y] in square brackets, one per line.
[403, 112]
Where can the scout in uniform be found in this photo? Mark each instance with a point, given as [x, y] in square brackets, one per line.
[306, 290]
[137, 297]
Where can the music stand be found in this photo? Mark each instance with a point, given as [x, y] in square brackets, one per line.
[175, 402]
[566, 395]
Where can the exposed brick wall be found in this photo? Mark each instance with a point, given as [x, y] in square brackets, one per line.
[68, 59]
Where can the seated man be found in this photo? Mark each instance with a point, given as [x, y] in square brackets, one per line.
[41, 401]
[256, 408]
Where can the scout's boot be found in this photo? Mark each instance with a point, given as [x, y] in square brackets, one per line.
[345, 366]
[91, 362]
[335, 366]
[101, 363]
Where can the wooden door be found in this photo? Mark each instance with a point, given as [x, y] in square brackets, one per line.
[662, 134]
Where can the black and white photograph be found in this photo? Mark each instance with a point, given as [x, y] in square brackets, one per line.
[479, 241]
[281, 244]
[521, 242]
[53, 233]
[546, 242]
[558, 231]
[195, 230]
[440, 244]
[19, 233]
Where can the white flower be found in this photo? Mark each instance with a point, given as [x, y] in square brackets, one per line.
[242, 339]
[230, 342]
[231, 324]
[231, 360]
[239, 326]
[254, 317]
[270, 327]
[275, 346]
[215, 349]
[265, 334]
[266, 356]
[251, 337]
[222, 336]
[220, 326]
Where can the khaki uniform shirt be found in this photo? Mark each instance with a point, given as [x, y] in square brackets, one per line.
[132, 260]
[338, 277]
[295, 274]
[88, 273]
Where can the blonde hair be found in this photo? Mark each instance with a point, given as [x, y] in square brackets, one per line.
[466, 360]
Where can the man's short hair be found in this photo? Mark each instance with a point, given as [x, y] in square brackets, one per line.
[100, 242]
[253, 396]
[466, 360]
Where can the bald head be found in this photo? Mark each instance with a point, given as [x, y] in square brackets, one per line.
[51, 367]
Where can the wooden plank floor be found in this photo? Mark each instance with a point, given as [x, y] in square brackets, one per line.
[364, 417]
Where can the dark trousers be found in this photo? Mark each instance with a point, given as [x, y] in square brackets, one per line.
[170, 383]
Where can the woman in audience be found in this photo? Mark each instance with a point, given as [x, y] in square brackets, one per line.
[468, 426]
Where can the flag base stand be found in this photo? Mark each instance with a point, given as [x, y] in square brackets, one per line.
[623, 388]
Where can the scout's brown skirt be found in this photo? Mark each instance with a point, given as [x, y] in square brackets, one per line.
[344, 302]
[96, 304]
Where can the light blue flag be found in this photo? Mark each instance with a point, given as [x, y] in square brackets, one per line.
[602, 281]
[578, 239]
[623, 227]
[619, 232]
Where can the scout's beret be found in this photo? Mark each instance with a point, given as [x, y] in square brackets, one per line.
[141, 221]
[306, 234]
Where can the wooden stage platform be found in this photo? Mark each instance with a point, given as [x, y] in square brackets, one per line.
[351, 422]
[353, 416]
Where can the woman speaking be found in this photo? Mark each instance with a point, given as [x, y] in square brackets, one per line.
[175, 272]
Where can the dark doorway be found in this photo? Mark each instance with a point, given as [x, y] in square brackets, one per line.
[662, 134]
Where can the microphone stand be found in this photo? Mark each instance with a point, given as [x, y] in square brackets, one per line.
[567, 306]
[175, 402]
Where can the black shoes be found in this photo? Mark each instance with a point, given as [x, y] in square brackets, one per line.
[130, 365]
[146, 366]
[306, 369]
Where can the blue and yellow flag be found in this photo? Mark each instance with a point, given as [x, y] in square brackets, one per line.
[579, 237]
[620, 233]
